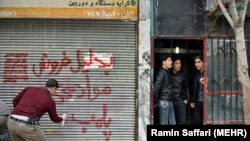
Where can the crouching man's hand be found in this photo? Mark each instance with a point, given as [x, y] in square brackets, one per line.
[64, 116]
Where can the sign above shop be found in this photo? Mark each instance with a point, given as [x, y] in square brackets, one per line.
[75, 9]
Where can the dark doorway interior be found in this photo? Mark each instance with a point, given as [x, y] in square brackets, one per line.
[188, 49]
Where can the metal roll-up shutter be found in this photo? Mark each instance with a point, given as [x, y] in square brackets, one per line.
[95, 64]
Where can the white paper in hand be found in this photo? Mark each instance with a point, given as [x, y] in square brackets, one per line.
[63, 122]
[64, 116]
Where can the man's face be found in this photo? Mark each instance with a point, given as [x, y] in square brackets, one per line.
[53, 91]
[198, 64]
[168, 63]
[177, 65]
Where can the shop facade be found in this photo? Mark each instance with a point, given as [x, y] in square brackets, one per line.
[90, 48]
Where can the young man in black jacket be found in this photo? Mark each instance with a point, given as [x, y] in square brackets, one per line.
[180, 91]
[197, 96]
[162, 92]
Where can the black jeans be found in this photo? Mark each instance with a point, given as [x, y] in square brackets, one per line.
[180, 112]
[198, 113]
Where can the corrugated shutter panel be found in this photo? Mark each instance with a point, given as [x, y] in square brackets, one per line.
[95, 64]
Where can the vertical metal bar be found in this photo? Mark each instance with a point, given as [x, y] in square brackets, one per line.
[212, 77]
[232, 67]
[218, 97]
[205, 49]
[225, 78]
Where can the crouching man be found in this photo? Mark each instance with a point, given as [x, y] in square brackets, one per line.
[29, 106]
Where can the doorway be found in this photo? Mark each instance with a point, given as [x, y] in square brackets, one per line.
[186, 50]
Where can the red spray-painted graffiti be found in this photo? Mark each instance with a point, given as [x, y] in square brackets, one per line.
[102, 122]
[15, 67]
[83, 62]
[92, 92]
